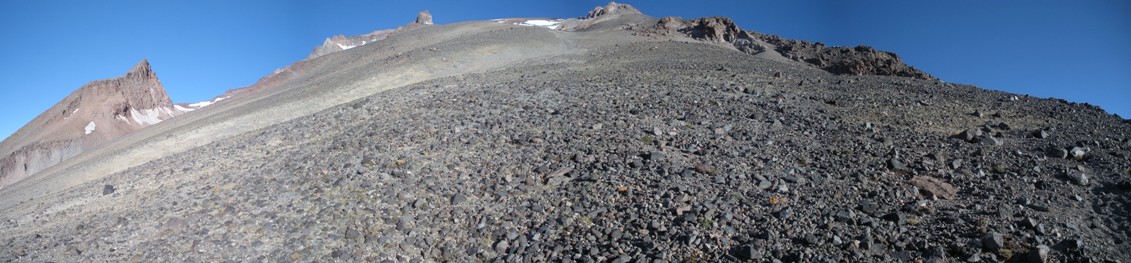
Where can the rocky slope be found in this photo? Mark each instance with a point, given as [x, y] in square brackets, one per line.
[94, 114]
[601, 144]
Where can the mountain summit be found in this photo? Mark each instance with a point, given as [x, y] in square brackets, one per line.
[612, 8]
[91, 116]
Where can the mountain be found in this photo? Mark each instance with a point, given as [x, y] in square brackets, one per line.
[609, 137]
[93, 115]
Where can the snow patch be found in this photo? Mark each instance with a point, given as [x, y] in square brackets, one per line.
[202, 104]
[89, 128]
[147, 116]
[551, 24]
[122, 118]
[198, 105]
[344, 47]
[76, 110]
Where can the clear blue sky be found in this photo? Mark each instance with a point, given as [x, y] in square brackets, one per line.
[1076, 50]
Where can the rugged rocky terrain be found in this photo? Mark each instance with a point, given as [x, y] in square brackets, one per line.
[861, 60]
[611, 143]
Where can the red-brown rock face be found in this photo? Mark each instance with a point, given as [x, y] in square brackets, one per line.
[93, 115]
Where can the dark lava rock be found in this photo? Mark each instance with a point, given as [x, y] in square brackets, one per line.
[1057, 153]
[969, 135]
[1039, 254]
[993, 241]
[746, 252]
[1078, 177]
[458, 198]
[107, 189]
[895, 164]
[869, 206]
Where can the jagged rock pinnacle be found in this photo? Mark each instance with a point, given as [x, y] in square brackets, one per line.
[424, 18]
[142, 68]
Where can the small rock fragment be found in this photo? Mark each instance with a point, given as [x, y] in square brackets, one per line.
[990, 141]
[785, 213]
[896, 217]
[746, 252]
[682, 209]
[1039, 254]
[107, 189]
[935, 187]
[1079, 178]
[970, 135]
[502, 247]
[458, 198]
[895, 164]
[1058, 153]
[702, 168]
[1077, 153]
[993, 241]
[869, 206]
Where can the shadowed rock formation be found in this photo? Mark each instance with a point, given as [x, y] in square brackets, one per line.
[861, 60]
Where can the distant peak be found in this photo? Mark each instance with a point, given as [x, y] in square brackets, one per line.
[142, 68]
[612, 8]
[424, 18]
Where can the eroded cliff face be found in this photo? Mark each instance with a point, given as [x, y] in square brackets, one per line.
[96, 113]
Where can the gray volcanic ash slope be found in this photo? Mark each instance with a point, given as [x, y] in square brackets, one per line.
[623, 145]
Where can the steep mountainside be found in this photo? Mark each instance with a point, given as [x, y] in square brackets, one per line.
[611, 137]
[94, 114]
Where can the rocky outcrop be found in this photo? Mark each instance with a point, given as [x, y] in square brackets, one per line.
[609, 12]
[612, 8]
[861, 60]
[93, 115]
[423, 18]
[340, 42]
